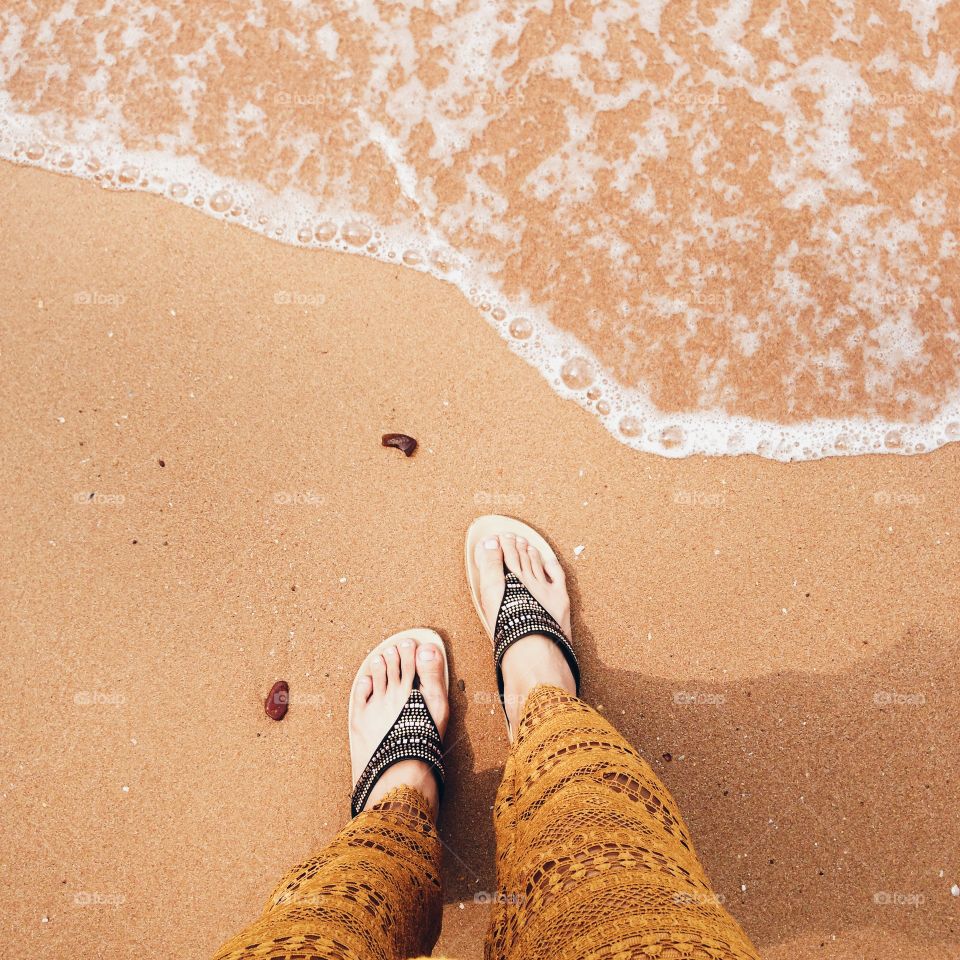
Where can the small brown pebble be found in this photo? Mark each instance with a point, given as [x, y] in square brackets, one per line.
[461, 686]
[401, 441]
[278, 699]
[668, 757]
[162, 463]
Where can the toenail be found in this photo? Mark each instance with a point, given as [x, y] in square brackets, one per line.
[521, 542]
[428, 654]
[406, 643]
[391, 651]
[491, 544]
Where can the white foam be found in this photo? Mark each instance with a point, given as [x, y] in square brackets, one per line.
[820, 158]
[923, 13]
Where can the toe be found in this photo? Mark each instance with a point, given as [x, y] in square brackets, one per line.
[524, 556]
[536, 562]
[362, 690]
[432, 686]
[511, 555]
[378, 670]
[489, 560]
[408, 669]
[392, 658]
[554, 571]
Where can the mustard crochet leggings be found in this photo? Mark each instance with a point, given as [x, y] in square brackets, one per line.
[593, 861]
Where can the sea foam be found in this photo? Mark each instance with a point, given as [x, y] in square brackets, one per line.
[718, 229]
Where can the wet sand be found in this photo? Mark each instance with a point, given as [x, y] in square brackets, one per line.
[780, 641]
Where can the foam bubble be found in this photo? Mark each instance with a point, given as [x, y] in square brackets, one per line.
[356, 233]
[221, 202]
[577, 373]
[521, 328]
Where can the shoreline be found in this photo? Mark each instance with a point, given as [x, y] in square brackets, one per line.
[627, 414]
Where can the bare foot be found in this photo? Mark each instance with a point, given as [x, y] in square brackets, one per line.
[535, 659]
[380, 692]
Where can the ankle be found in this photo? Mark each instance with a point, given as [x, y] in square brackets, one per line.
[532, 662]
[408, 773]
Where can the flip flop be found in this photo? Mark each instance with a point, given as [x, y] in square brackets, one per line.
[520, 612]
[412, 736]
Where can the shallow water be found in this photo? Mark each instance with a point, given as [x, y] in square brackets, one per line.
[721, 227]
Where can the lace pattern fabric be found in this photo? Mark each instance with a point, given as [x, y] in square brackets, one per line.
[593, 857]
[372, 892]
[593, 861]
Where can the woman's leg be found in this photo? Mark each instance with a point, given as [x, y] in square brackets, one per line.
[593, 857]
[374, 891]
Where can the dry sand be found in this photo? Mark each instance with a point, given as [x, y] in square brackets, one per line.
[780, 641]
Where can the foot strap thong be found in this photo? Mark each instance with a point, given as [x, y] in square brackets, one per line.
[413, 736]
[520, 615]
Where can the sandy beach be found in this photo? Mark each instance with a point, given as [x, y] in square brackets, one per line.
[197, 504]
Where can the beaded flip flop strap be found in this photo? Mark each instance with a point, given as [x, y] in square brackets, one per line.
[413, 736]
[520, 615]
